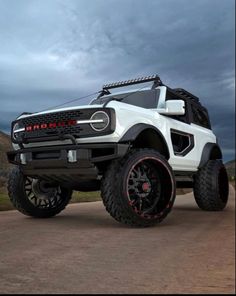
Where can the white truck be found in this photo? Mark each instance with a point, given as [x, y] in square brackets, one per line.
[135, 145]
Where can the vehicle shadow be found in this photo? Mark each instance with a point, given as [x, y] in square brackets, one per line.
[89, 219]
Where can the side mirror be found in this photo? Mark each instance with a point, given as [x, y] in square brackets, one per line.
[173, 107]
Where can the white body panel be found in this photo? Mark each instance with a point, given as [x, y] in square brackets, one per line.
[128, 115]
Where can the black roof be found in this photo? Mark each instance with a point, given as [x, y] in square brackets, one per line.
[186, 94]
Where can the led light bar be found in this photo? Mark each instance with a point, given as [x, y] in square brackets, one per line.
[90, 121]
[19, 130]
[154, 78]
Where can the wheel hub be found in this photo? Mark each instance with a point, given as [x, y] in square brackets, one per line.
[145, 187]
[42, 194]
[42, 189]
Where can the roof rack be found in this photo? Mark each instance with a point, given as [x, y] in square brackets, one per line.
[155, 78]
[186, 94]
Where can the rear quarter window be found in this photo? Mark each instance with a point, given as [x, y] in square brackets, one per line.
[200, 117]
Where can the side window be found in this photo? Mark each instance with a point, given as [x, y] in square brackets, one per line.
[200, 117]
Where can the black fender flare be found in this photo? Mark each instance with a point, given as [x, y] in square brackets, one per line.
[210, 151]
[135, 130]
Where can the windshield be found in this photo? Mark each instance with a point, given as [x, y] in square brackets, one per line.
[145, 99]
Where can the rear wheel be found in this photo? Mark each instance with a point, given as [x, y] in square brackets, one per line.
[35, 197]
[211, 186]
[139, 189]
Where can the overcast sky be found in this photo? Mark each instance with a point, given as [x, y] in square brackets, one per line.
[53, 51]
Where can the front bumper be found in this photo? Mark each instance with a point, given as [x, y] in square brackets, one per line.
[66, 163]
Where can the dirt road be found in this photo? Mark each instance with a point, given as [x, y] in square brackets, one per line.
[83, 250]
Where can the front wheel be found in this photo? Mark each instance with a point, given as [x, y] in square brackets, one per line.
[35, 197]
[139, 189]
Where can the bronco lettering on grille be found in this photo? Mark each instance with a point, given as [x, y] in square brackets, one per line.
[40, 126]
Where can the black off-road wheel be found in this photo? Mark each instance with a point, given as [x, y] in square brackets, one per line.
[36, 198]
[139, 189]
[211, 186]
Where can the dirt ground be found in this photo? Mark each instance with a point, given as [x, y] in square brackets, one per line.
[83, 250]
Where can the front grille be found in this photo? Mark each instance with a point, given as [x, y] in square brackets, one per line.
[80, 130]
[54, 118]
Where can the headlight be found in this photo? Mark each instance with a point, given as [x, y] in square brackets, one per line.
[18, 127]
[100, 121]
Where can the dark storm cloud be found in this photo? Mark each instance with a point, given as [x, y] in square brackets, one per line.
[52, 51]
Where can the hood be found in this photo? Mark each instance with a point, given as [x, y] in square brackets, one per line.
[60, 110]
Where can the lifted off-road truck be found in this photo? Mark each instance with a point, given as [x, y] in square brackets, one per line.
[136, 146]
